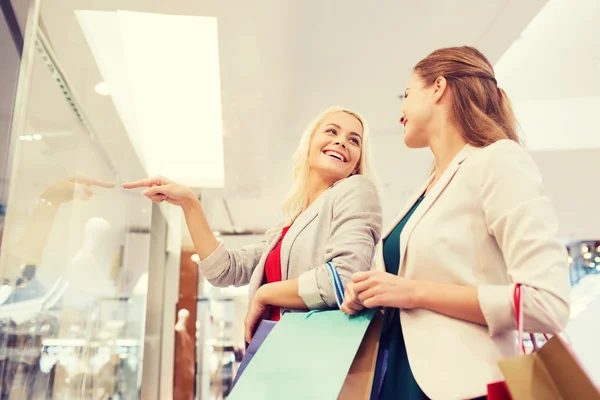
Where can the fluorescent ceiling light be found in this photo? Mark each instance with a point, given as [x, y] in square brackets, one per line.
[102, 88]
[164, 74]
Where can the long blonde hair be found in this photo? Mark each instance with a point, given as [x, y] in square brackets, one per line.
[295, 200]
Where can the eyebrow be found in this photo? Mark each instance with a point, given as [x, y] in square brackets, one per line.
[339, 127]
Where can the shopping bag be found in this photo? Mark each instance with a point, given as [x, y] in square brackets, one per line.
[263, 330]
[361, 378]
[551, 372]
[311, 355]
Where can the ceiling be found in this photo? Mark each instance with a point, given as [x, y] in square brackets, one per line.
[282, 63]
[552, 73]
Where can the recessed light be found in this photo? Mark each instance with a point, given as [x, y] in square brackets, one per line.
[103, 89]
[37, 136]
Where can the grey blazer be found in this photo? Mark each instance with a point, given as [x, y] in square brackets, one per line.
[342, 226]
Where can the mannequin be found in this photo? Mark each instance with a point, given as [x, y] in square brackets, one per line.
[88, 272]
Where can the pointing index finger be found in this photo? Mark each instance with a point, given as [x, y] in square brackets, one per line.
[139, 184]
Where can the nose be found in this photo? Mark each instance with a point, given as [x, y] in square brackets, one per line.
[402, 118]
[340, 143]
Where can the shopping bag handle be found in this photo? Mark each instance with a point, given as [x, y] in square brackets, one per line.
[338, 287]
[518, 301]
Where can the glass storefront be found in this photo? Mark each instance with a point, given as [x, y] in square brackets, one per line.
[75, 246]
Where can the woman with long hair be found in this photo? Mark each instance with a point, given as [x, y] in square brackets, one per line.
[479, 226]
[332, 213]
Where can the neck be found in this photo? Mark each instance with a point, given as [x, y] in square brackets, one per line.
[315, 185]
[445, 146]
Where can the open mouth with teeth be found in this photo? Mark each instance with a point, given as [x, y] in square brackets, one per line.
[336, 155]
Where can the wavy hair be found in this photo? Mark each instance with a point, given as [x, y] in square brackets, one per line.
[295, 200]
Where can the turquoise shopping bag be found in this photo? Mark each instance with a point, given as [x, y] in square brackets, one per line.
[306, 355]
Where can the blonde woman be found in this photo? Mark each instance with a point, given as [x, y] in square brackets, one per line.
[332, 213]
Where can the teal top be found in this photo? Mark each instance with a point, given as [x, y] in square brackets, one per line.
[399, 382]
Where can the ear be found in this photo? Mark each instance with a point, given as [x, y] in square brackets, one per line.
[439, 88]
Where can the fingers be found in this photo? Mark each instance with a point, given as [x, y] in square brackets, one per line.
[361, 276]
[154, 190]
[82, 192]
[155, 194]
[138, 184]
[148, 182]
[249, 331]
[352, 304]
[362, 286]
[85, 179]
[367, 294]
[347, 310]
[158, 198]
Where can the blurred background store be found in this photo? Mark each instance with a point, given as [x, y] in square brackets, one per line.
[100, 297]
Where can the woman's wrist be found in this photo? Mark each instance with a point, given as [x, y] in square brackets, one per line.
[421, 290]
[190, 202]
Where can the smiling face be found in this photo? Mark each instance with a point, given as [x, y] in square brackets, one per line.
[335, 147]
[417, 113]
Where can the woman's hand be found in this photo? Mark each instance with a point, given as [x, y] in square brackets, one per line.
[352, 304]
[257, 311]
[381, 289]
[78, 187]
[161, 189]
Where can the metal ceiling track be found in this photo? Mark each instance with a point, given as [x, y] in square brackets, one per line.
[43, 47]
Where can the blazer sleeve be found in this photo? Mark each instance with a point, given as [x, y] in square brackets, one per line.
[355, 230]
[525, 226]
[232, 267]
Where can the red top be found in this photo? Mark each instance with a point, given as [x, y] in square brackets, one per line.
[273, 270]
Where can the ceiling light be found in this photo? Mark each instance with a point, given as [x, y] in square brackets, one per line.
[587, 256]
[592, 265]
[570, 260]
[37, 136]
[584, 248]
[103, 89]
[28, 138]
[597, 259]
[195, 258]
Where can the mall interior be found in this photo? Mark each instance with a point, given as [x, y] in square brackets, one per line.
[100, 292]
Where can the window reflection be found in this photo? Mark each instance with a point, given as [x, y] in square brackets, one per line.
[74, 255]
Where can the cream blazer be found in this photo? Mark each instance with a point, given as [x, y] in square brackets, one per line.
[485, 223]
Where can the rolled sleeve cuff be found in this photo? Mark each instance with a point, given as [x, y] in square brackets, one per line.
[497, 307]
[212, 266]
[308, 290]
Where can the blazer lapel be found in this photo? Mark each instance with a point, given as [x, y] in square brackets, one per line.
[256, 280]
[429, 200]
[379, 261]
[305, 218]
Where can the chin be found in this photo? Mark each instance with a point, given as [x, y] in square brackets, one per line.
[413, 142]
